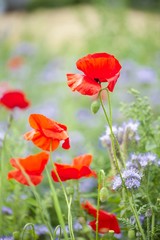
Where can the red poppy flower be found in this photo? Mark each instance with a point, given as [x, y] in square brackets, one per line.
[14, 98]
[97, 68]
[106, 221]
[47, 133]
[33, 166]
[78, 169]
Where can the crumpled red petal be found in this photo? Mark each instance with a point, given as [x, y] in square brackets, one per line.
[83, 84]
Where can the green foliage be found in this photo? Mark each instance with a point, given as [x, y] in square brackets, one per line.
[140, 109]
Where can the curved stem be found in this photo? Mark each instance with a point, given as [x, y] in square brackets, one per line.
[33, 231]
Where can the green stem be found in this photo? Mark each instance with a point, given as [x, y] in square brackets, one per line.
[152, 225]
[148, 227]
[33, 231]
[113, 140]
[2, 166]
[115, 143]
[70, 225]
[136, 216]
[56, 204]
[43, 212]
[109, 104]
[98, 205]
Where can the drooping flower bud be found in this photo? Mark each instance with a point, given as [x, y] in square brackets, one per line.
[95, 106]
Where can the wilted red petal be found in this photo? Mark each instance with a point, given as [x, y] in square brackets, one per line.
[83, 84]
[13, 99]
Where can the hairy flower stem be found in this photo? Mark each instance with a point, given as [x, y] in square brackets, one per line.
[115, 144]
[43, 212]
[98, 204]
[131, 201]
[152, 226]
[115, 147]
[70, 225]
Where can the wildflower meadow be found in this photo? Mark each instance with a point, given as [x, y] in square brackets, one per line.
[79, 146]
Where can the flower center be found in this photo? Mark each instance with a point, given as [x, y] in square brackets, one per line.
[97, 80]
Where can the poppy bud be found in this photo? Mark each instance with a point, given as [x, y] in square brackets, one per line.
[131, 234]
[95, 107]
[103, 194]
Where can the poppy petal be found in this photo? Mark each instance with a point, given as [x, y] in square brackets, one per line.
[19, 177]
[13, 99]
[83, 84]
[39, 121]
[106, 221]
[89, 208]
[83, 160]
[66, 144]
[65, 174]
[112, 82]
[33, 164]
[99, 65]
[45, 143]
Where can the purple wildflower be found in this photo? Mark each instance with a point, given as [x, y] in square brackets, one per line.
[6, 238]
[131, 177]
[7, 210]
[41, 229]
[143, 159]
[126, 132]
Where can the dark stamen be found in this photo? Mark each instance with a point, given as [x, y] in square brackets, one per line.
[97, 80]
